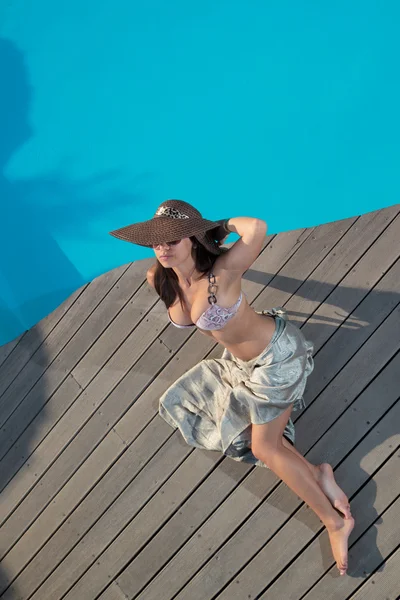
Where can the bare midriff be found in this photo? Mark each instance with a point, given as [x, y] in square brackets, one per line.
[247, 334]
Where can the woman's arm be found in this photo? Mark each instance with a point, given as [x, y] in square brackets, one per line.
[245, 226]
[243, 253]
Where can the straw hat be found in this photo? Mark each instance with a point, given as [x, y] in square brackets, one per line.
[173, 220]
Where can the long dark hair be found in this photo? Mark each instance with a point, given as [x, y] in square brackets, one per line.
[166, 280]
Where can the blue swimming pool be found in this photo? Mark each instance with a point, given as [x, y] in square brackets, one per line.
[286, 111]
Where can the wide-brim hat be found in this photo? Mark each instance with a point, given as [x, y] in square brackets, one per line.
[173, 220]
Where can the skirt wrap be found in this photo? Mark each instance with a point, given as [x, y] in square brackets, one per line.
[215, 403]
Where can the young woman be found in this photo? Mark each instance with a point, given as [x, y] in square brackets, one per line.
[240, 404]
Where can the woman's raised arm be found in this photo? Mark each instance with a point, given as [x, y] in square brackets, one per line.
[243, 253]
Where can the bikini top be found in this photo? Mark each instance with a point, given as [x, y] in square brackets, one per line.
[216, 316]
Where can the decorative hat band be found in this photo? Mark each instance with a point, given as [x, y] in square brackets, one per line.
[168, 211]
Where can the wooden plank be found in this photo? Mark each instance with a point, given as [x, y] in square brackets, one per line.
[31, 340]
[364, 276]
[55, 342]
[344, 342]
[222, 523]
[338, 263]
[373, 500]
[384, 583]
[26, 548]
[137, 304]
[379, 541]
[97, 323]
[129, 504]
[85, 406]
[347, 295]
[69, 529]
[113, 592]
[208, 538]
[359, 371]
[307, 258]
[303, 573]
[22, 450]
[191, 515]
[121, 395]
[63, 398]
[81, 446]
[283, 247]
[6, 349]
[162, 506]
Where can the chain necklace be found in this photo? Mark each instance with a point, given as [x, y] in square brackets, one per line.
[212, 288]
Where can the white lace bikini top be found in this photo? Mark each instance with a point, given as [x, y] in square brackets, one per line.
[215, 317]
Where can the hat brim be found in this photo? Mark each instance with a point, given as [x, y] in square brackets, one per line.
[162, 230]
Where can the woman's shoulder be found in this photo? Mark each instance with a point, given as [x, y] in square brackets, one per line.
[150, 275]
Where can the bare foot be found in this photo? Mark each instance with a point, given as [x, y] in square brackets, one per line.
[331, 489]
[338, 537]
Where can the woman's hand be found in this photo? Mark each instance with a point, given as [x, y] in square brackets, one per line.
[221, 243]
[219, 234]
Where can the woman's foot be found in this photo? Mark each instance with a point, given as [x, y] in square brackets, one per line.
[338, 536]
[332, 491]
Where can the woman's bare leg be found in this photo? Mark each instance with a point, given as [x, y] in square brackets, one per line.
[292, 469]
[323, 473]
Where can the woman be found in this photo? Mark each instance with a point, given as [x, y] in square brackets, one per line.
[240, 404]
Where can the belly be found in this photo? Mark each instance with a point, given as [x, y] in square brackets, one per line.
[248, 337]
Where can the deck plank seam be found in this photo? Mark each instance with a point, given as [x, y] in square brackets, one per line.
[68, 515]
[371, 575]
[313, 538]
[328, 569]
[111, 540]
[43, 374]
[85, 422]
[23, 364]
[345, 366]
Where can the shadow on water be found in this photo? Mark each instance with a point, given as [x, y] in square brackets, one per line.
[30, 254]
[35, 273]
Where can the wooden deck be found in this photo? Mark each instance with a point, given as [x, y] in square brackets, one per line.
[102, 499]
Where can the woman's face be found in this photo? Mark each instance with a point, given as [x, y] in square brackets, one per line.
[173, 253]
